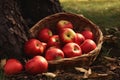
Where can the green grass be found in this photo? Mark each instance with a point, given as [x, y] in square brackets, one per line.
[2, 76]
[104, 13]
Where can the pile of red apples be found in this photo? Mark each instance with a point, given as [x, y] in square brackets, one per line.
[67, 43]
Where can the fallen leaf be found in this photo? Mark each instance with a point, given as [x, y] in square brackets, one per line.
[86, 72]
[81, 69]
[2, 63]
[49, 74]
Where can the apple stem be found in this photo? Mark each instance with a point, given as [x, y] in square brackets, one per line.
[68, 35]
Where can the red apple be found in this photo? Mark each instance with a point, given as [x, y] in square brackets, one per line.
[54, 54]
[33, 47]
[36, 65]
[67, 35]
[88, 34]
[44, 45]
[64, 24]
[54, 41]
[13, 66]
[79, 39]
[88, 45]
[72, 50]
[44, 34]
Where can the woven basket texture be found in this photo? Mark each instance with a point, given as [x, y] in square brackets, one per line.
[80, 23]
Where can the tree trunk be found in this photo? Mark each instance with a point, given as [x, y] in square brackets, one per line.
[16, 17]
[34, 10]
[13, 30]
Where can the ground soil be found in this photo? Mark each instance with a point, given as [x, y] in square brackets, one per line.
[104, 68]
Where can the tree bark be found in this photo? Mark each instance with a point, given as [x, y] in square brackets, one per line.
[34, 10]
[16, 17]
[13, 30]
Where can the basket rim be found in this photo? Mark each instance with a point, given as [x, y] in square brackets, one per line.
[100, 41]
[57, 14]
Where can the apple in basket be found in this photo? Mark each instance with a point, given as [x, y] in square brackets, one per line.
[54, 53]
[64, 24]
[34, 47]
[44, 34]
[67, 35]
[88, 45]
[54, 41]
[44, 45]
[36, 65]
[88, 34]
[13, 66]
[79, 38]
[72, 50]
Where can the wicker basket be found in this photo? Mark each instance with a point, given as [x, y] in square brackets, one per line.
[80, 23]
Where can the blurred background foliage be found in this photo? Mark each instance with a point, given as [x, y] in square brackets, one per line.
[105, 13]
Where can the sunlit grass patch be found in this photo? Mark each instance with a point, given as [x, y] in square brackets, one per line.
[103, 12]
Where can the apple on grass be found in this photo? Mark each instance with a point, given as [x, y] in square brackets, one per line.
[88, 34]
[79, 39]
[64, 24]
[54, 53]
[34, 47]
[36, 65]
[72, 49]
[54, 41]
[44, 34]
[13, 66]
[88, 45]
[67, 35]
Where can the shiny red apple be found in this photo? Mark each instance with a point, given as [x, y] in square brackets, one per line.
[88, 34]
[72, 50]
[44, 34]
[13, 66]
[54, 41]
[79, 39]
[67, 35]
[54, 53]
[36, 65]
[64, 24]
[44, 45]
[88, 45]
[34, 47]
